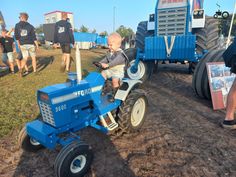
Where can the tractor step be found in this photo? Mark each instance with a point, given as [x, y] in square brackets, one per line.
[109, 122]
[112, 126]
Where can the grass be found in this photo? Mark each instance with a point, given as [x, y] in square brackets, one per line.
[18, 95]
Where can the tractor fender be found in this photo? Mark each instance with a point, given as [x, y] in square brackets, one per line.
[126, 86]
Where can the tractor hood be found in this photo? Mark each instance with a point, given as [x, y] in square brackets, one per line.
[59, 93]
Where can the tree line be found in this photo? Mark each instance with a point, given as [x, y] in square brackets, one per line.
[122, 30]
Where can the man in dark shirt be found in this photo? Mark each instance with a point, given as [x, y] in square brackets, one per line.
[6, 44]
[26, 39]
[64, 35]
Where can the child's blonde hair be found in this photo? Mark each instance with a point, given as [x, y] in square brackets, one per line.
[116, 36]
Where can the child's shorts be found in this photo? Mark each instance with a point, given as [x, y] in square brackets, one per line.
[115, 72]
[7, 57]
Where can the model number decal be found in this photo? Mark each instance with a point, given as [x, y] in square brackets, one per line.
[61, 108]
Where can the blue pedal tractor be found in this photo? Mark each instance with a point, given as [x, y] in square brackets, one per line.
[69, 107]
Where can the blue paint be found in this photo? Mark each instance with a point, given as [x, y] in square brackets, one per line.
[69, 108]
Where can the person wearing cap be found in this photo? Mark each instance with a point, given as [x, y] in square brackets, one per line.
[27, 42]
[64, 36]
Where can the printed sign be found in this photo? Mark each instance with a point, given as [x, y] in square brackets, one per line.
[171, 3]
[220, 81]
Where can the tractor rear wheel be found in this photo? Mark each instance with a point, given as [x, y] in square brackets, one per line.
[132, 111]
[200, 81]
[144, 69]
[73, 160]
[27, 143]
[207, 37]
[141, 33]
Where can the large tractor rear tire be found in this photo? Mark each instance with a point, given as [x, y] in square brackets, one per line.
[200, 81]
[141, 33]
[207, 37]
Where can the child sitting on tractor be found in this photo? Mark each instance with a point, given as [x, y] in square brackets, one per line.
[114, 63]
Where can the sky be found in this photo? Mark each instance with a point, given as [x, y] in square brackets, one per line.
[94, 14]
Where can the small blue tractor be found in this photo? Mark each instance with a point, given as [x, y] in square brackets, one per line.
[69, 107]
[178, 31]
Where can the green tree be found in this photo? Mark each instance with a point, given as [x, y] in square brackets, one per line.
[104, 33]
[83, 29]
[124, 32]
[39, 29]
[76, 30]
[94, 31]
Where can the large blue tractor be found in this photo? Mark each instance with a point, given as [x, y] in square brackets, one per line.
[178, 31]
[69, 107]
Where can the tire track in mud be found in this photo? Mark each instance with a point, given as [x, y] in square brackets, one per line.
[197, 126]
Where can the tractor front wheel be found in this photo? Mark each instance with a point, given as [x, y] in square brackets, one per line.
[74, 160]
[144, 69]
[142, 72]
[27, 143]
[132, 111]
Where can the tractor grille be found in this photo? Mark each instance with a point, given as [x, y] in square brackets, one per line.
[46, 113]
[172, 21]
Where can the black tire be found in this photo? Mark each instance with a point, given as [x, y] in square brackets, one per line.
[26, 143]
[195, 74]
[207, 37]
[200, 73]
[70, 159]
[225, 15]
[200, 78]
[205, 82]
[192, 67]
[131, 53]
[132, 111]
[145, 69]
[141, 33]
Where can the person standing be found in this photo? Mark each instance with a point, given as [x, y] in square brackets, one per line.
[229, 121]
[229, 56]
[64, 36]
[19, 54]
[7, 44]
[27, 42]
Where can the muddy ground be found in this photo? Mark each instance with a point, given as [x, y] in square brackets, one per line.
[181, 137]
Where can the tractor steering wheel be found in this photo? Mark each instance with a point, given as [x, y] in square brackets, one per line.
[99, 65]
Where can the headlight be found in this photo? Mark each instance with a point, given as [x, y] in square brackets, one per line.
[195, 12]
[44, 97]
[200, 12]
